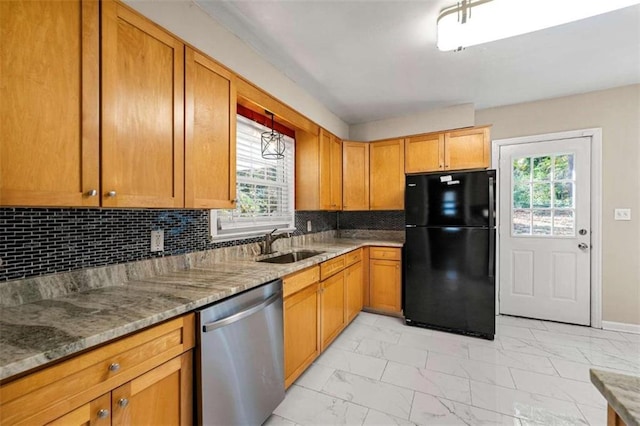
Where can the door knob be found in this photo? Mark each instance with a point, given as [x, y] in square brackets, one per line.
[582, 232]
[583, 246]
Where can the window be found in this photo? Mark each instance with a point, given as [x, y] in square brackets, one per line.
[543, 201]
[265, 188]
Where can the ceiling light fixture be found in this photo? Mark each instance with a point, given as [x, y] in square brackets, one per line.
[472, 22]
[272, 143]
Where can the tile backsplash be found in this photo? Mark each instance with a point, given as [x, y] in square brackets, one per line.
[40, 241]
[37, 241]
[388, 220]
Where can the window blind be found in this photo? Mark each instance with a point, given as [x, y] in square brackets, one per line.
[265, 187]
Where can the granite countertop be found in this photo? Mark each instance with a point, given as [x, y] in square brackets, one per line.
[622, 392]
[35, 333]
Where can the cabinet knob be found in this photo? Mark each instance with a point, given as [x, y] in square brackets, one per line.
[103, 414]
[114, 367]
[92, 193]
[233, 201]
[123, 402]
[111, 193]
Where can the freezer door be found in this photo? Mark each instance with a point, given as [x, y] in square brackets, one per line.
[449, 281]
[449, 199]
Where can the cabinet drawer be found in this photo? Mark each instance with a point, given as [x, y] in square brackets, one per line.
[330, 267]
[389, 253]
[298, 281]
[50, 393]
[353, 257]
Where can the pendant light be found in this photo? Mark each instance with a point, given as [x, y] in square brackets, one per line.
[272, 143]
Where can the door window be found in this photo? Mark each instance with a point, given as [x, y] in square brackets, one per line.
[542, 192]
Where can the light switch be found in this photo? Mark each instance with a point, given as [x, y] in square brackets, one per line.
[622, 214]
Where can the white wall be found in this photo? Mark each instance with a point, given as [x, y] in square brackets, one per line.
[187, 21]
[617, 112]
[424, 122]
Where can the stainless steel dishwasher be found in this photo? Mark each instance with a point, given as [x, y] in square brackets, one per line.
[240, 358]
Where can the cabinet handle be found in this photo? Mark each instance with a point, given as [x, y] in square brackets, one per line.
[103, 414]
[123, 402]
[114, 367]
[92, 193]
[111, 193]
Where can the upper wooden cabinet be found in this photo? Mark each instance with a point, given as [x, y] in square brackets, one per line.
[210, 143]
[467, 149]
[355, 176]
[386, 191]
[455, 150]
[49, 144]
[318, 171]
[424, 153]
[142, 112]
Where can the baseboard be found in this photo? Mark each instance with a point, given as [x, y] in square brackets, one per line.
[621, 326]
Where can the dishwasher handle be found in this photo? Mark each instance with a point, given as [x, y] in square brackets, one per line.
[242, 314]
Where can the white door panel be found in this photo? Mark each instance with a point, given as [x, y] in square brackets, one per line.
[545, 215]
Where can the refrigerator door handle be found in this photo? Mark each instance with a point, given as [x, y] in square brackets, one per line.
[492, 231]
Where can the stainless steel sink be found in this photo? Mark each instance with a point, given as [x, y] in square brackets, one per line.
[292, 257]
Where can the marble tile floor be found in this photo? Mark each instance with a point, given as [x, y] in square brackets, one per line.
[381, 372]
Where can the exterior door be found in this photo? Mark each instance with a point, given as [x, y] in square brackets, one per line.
[545, 260]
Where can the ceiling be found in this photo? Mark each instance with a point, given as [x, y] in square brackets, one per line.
[367, 60]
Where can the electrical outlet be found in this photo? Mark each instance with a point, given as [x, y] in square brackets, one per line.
[157, 240]
[309, 228]
[622, 214]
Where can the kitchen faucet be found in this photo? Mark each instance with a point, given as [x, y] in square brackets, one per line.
[269, 238]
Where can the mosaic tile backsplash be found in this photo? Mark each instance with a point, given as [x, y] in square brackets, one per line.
[43, 241]
[38, 241]
[392, 220]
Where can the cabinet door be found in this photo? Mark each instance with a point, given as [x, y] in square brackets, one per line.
[301, 332]
[385, 285]
[330, 171]
[210, 143]
[94, 413]
[467, 149]
[353, 290]
[142, 112]
[49, 61]
[387, 175]
[163, 395]
[336, 173]
[325, 170]
[355, 176]
[332, 308]
[424, 153]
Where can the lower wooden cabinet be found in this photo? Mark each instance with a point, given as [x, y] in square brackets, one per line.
[315, 312]
[353, 283]
[94, 413]
[144, 378]
[163, 396]
[385, 279]
[301, 331]
[332, 318]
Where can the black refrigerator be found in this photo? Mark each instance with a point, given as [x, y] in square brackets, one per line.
[449, 258]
